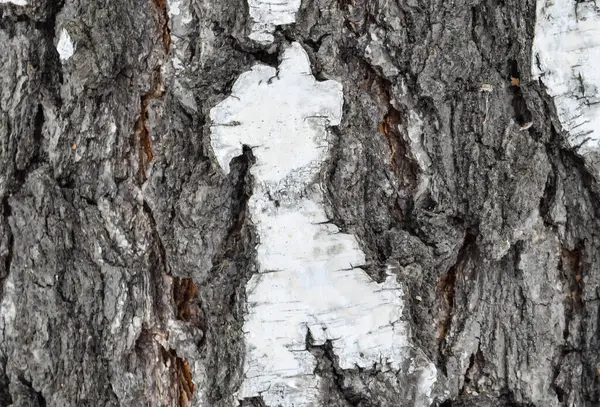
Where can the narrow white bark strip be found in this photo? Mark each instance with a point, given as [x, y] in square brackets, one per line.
[179, 18]
[566, 57]
[308, 278]
[267, 14]
[15, 2]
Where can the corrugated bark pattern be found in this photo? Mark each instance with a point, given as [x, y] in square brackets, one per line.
[125, 251]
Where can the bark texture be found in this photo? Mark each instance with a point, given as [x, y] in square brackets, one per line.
[125, 250]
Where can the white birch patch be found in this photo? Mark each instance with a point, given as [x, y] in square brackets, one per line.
[566, 57]
[15, 2]
[65, 46]
[267, 14]
[309, 279]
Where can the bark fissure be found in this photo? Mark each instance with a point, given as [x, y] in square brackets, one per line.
[446, 289]
[8, 260]
[252, 402]
[473, 372]
[163, 21]
[230, 246]
[38, 397]
[570, 264]
[5, 396]
[403, 166]
[328, 368]
[182, 376]
[156, 92]
[160, 266]
[223, 301]
[522, 114]
[34, 158]
[146, 153]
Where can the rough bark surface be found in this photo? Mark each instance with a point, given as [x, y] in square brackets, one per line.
[125, 249]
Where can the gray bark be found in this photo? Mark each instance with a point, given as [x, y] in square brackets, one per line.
[125, 250]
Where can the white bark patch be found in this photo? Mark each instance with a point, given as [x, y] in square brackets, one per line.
[8, 309]
[309, 279]
[267, 14]
[15, 2]
[65, 46]
[566, 57]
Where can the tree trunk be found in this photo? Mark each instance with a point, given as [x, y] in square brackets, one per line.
[317, 203]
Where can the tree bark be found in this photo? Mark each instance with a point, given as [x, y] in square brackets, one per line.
[129, 252]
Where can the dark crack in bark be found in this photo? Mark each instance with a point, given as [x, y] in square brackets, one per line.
[252, 402]
[188, 306]
[5, 397]
[35, 397]
[570, 265]
[156, 91]
[338, 393]
[182, 376]
[224, 297]
[146, 152]
[163, 22]
[446, 292]
[523, 116]
[403, 165]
